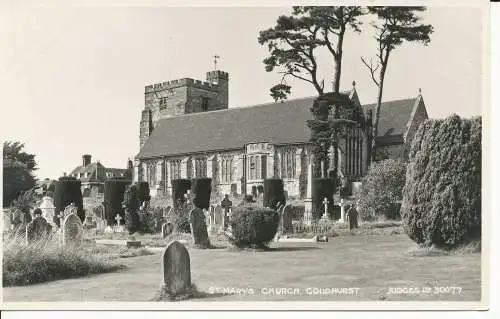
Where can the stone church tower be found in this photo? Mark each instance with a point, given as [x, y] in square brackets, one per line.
[183, 96]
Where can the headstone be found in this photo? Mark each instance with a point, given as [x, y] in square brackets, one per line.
[219, 217]
[38, 229]
[48, 209]
[176, 269]
[226, 205]
[72, 230]
[167, 211]
[287, 219]
[100, 224]
[71, 209]
[98, 212]
[352, 215]
[166, 229]
[198, 228]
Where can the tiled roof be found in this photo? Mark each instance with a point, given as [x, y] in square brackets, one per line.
[277, 123]
[394, 116]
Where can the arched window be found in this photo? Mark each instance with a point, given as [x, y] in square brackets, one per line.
[175, 169]
[288, 163]
[200, 167]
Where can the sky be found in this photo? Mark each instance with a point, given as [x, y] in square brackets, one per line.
[72, 78]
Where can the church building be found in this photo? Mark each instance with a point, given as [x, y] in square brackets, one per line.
[187, 130]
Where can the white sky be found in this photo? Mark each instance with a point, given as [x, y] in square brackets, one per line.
[72, 79]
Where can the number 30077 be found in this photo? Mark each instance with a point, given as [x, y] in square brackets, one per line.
[447, 290]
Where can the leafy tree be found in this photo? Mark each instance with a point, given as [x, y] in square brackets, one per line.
[381, 189]
[18, 168]
[292, 45]
[393, 27]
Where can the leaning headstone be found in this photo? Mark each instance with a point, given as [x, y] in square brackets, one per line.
[176, 270]
[287, 219]
[166, 229]
[72, 230]
[89, 222]
[38, 229]
[199, 228]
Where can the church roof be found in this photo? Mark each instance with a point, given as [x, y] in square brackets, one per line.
[394, 116]
[233, 128]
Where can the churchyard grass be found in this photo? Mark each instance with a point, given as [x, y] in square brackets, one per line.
[372, 263]
[46, 260]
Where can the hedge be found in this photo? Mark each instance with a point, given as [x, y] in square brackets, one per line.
[67, 191]
[114, 190]
[322, 188]
[274, 193]
[442, 194]
[179, 189]
[131, 204]
[200, 190]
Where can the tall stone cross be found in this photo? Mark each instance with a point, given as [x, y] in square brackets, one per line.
[215, 61]
[325, 202]
[118, 218]
[342, 210]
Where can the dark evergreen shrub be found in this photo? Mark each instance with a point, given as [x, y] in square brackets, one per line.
[442, 194]
[322, 188]
[114, 190]
[253, 226]
[200, 190]
[274, 193]
[382, 189]
[131, 205]
[67, 191]
[179, 189]
[152, 220]
[143, 192]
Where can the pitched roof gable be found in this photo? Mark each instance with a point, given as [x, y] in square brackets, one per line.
[233, 128]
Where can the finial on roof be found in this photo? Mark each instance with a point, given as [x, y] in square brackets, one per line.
[419, 91]
[353, 84]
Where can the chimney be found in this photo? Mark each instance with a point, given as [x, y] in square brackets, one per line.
[130, 165]
[86, 159]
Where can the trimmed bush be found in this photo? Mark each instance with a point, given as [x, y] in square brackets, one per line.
[67, 191]
[382, 189]
[179, 189]
[274, 193]
[114, 190]
[143, 192]
[20, 209]
[201, 189]
[131, 204]
[253, 226]
[321, 188]
[442, 194]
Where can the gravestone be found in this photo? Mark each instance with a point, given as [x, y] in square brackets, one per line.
[166, 229]
[176, 269]
[38, 229]
[219, 217]
[287, 219]
[226, 205]
[199, 228]
[167, 211]
[72, 230]
[71, 209]
[48, 209]
[352, 215]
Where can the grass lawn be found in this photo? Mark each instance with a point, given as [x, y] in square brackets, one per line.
[372, 263]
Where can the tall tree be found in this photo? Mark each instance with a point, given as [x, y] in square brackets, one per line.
[393, 26]
[18, 168]
[292, 45]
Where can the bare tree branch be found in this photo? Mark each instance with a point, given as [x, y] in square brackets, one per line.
[372, 70]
